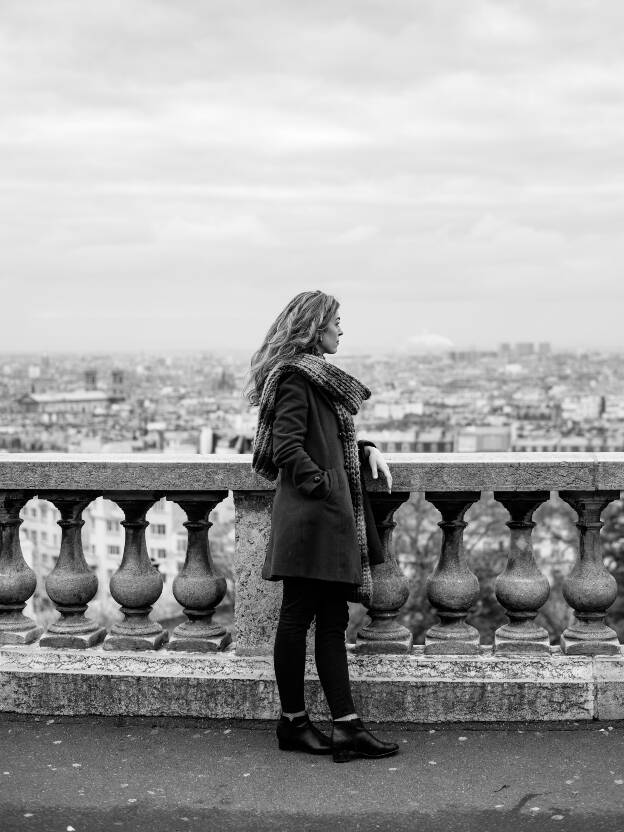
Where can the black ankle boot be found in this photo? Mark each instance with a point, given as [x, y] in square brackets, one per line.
[350, 739]
[300, 735]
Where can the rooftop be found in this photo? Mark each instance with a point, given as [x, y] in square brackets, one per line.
[68, 396]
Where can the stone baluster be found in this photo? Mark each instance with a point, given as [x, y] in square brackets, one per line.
[589, 588]
[71, 584]
[522, 589]
[453, 588]
[390, 588]
[137, 584]
[17, 579]
[198, 588]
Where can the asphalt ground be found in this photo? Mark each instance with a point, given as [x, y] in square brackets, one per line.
[98, 774]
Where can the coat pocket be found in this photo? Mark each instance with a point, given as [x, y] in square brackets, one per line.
[322, 494]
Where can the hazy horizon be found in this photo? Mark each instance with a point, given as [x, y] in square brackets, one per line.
[240, 354]
[173, 173]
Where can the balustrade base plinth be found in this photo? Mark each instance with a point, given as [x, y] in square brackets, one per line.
[391, 643]
[199, 644]
[583, 647]
[454, 640]
[77, 641]
[506, 646]
[589, 636]
[369, 648]
[152, 641]
[523, 638]
[20, 636]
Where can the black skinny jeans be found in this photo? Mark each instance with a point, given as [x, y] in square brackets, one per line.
[303, 600]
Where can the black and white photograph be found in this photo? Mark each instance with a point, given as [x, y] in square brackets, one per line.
[311, 415]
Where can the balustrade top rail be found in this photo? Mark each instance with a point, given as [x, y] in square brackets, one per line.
[410, 472]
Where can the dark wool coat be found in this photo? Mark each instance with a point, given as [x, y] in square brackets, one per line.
[313, 532]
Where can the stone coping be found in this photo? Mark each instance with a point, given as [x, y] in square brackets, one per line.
[99, 473]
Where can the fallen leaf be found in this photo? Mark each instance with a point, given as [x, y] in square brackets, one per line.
[28, 814]
[57, 742]
[556, 817]
[462, 739]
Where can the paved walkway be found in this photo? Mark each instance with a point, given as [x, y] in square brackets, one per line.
[92, 775]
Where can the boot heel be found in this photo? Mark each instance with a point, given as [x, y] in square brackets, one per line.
[342, 756]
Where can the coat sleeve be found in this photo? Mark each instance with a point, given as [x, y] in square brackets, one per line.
[375, 547]
[363, 443]
[290, 425]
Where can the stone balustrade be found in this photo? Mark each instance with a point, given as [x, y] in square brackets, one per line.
[450, 482]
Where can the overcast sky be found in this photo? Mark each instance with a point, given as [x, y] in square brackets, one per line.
[173, 172]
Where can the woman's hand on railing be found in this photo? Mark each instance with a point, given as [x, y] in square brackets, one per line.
[378, 463]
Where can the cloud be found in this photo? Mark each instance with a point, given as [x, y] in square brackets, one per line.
[415, 155]
[357, 234]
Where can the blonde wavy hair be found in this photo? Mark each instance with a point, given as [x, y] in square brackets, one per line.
[297, 329]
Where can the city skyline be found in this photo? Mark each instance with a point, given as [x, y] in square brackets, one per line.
[173, 174]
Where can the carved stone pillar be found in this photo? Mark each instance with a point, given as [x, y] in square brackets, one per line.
[17, 580]
[521, 588]
[453, 588]
[198, 588]
[137, 584]
[390, 589]
[257, 604]
[71, 584]
[589, 589]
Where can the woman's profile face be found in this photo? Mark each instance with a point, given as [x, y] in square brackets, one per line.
[331, 334]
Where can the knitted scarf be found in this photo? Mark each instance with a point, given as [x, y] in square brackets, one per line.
[346, 395]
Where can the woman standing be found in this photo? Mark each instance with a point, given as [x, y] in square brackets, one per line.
[323, 537]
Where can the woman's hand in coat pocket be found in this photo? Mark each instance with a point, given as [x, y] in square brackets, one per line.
[378, 463]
